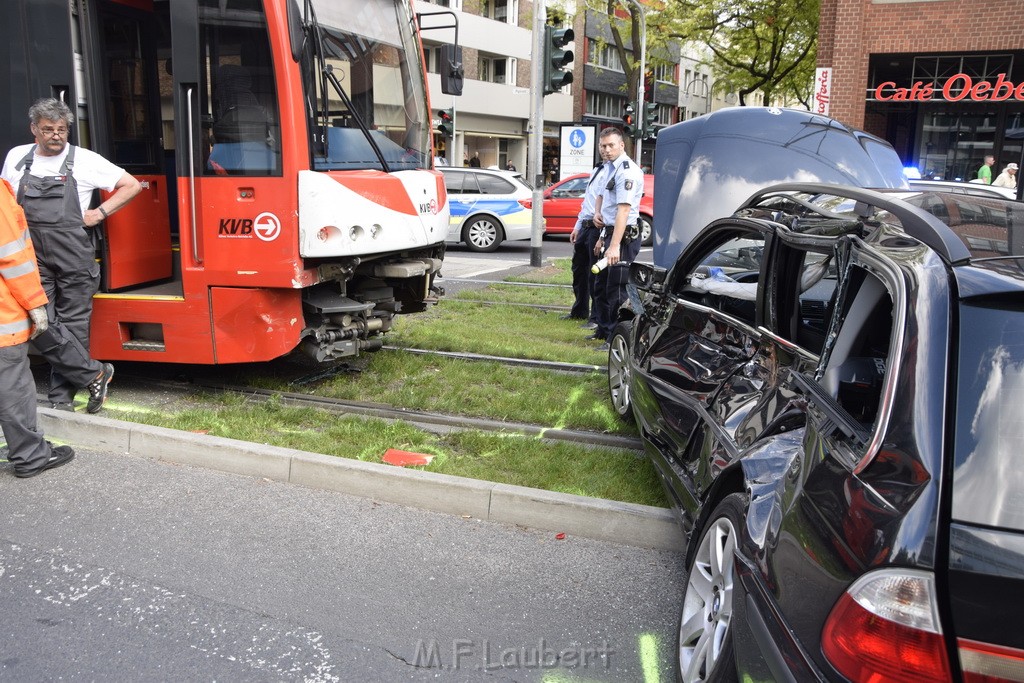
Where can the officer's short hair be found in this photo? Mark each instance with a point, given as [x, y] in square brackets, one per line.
[613, 130]
[51, 109]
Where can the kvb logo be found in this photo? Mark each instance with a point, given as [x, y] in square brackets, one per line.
[266, 227]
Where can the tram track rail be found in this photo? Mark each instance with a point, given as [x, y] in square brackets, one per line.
[425, 419]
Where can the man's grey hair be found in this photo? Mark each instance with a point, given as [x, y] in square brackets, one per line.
[51, 109]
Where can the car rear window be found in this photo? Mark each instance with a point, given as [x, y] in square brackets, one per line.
[988, 471]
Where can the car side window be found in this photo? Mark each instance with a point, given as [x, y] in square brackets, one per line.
[726, 276]
[469, 185]
[490, 184]
[453, 182]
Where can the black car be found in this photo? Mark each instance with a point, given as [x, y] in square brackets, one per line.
[830, 383]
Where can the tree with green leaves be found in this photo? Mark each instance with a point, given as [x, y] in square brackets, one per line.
[767, 47]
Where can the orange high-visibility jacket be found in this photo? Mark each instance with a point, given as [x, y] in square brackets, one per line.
[20, 289]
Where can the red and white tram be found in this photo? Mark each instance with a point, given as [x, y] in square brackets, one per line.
[284, 148]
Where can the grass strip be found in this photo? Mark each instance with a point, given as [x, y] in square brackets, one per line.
[513, 332]
[607, 473]
[478, 389]
[558, 272]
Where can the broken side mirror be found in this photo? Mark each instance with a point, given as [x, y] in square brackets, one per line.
[647, 277]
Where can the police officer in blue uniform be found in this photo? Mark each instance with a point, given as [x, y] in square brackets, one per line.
[617, 214]
[583, 238]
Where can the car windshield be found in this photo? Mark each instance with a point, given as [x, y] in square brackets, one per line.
[988, 479]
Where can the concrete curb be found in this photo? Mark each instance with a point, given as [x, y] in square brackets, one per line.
[624, 523]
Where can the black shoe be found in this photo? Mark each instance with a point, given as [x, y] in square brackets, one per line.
[603, 347]
[98, 389]
[59, 455]
[595, 336]
[66, 407]
[589, 326]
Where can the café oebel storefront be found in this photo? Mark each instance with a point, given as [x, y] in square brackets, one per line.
[944, 112]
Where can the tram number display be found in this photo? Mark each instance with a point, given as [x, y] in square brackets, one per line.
[265, 226]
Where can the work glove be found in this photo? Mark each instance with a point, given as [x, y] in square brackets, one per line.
[38, 316]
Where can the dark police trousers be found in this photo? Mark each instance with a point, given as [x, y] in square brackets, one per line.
[610, 288]
[582, 261]
[69, 273]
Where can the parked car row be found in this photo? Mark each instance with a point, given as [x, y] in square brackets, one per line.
[490, 206]
[827, 379]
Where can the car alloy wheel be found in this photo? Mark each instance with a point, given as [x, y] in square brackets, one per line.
[618, 372]
[646, 231]
[705, 639]
[482, 234]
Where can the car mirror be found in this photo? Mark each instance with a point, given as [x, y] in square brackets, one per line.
[561, 194]
[647, 277]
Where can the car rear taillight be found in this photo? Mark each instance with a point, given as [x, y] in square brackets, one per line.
[886, 628]
[527, 203]
[986, 663]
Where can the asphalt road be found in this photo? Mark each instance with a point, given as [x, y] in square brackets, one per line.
[120, 568]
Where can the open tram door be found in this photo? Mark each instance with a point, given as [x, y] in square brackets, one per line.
[120, 50]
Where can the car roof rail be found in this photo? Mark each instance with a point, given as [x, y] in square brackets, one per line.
[916, 222]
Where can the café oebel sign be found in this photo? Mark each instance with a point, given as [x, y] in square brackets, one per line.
[958, 88]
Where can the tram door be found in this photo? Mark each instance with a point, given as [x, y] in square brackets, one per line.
[127, 56]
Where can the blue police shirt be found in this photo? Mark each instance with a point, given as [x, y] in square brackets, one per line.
[625, 186]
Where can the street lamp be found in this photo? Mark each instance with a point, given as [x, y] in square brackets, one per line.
[702, 81]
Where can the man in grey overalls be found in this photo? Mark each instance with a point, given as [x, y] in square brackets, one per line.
[55, 183]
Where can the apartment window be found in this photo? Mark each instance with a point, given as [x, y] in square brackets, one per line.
[432, 55]
[605, 105]
[494, 69]
[452, 4]
[605, 56]
[499, 10]
[665, 73]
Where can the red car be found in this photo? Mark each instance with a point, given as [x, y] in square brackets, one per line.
[563, 199]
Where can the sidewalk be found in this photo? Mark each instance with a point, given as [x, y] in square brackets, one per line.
[625, 523]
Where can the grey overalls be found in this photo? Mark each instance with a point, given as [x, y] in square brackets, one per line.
[69, 273]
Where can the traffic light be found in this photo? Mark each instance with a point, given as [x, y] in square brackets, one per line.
[650, 118]
[556, 59]
[628, 122]
[447, 125]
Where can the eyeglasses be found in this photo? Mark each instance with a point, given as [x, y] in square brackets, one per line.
[50, 132]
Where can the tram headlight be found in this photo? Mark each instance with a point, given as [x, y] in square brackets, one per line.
[355, 232]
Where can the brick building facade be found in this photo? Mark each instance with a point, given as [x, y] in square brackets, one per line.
[879, 49]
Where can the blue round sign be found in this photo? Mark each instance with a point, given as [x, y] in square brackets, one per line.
[577, 138]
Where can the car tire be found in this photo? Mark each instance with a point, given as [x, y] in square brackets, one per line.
[619, 372]
[705, 651]
[482, 234]
[646, 230]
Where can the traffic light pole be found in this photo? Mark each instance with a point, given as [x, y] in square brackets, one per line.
[640, 86]
[535, 165]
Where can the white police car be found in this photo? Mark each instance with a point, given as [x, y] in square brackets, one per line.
[487, 207]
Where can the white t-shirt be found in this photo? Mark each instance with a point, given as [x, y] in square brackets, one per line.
[91, 171]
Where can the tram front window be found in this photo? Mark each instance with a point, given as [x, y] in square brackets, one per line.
[379, 119]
